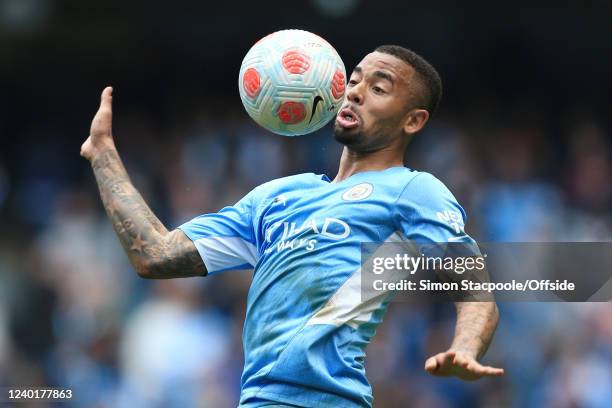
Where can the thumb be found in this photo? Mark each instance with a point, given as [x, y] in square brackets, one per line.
[431, 365]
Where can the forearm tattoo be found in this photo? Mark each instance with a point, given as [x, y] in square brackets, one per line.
[152, 249]
[476, 323]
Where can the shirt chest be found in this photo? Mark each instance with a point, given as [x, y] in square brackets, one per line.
[360, 212]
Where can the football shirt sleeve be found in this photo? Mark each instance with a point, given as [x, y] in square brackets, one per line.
[427, 212]
[226, 239]
[433, 223]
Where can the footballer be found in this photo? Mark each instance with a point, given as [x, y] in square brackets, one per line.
[306, 327]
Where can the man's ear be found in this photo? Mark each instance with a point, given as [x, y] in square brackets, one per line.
[415, 120]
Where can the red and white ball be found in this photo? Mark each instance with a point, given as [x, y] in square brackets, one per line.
[292, 82]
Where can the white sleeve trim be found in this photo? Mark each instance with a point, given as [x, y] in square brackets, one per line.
[219, 253]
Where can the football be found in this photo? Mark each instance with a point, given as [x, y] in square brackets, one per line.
[292, 82]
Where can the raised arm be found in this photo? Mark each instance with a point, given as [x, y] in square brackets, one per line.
[154, 251]
[476, 323]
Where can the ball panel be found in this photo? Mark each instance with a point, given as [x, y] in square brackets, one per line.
[338, 85]
[251, 82]
[291, 112]
[296, 61]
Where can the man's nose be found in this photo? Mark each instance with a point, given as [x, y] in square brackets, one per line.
[355, 94]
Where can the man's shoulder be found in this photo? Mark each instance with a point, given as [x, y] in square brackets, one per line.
[425, 186]
[289, 183]
[424, 179]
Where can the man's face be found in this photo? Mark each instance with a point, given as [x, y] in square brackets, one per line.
[376, 103]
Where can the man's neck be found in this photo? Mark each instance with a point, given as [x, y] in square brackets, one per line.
[353, 162]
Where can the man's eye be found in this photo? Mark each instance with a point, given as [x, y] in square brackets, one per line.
[378, 89]
[352, 82]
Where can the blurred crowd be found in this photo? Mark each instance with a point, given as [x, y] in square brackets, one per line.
[73, 313]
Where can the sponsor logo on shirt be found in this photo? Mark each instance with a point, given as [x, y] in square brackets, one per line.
[306, 236]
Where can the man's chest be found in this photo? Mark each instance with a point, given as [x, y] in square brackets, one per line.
[296, 218]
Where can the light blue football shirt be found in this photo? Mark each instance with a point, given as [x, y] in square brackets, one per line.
[306, 326]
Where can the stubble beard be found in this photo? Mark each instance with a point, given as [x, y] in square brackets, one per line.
[358, 141]
[348, 138]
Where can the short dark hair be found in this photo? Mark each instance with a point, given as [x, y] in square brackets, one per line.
[426, 74]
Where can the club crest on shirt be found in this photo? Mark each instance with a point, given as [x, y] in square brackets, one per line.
[358, 192]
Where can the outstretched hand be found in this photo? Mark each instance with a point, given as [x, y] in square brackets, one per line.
[100, 134]
[461, 365]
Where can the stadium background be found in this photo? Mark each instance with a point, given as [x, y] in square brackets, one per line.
[522, 139]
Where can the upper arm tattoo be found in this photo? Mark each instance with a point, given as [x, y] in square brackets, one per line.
[175, 256]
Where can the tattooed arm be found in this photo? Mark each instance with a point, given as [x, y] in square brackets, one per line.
[476, 323]
[154, 251]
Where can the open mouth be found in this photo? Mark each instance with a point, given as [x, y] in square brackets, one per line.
[347, 118]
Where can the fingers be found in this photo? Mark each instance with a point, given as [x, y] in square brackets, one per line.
[462, 361]
[440, 362]
[474, 367]
[431, 365]
[106, 99]
[101, 125]
[486, 370]
[460, 365]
